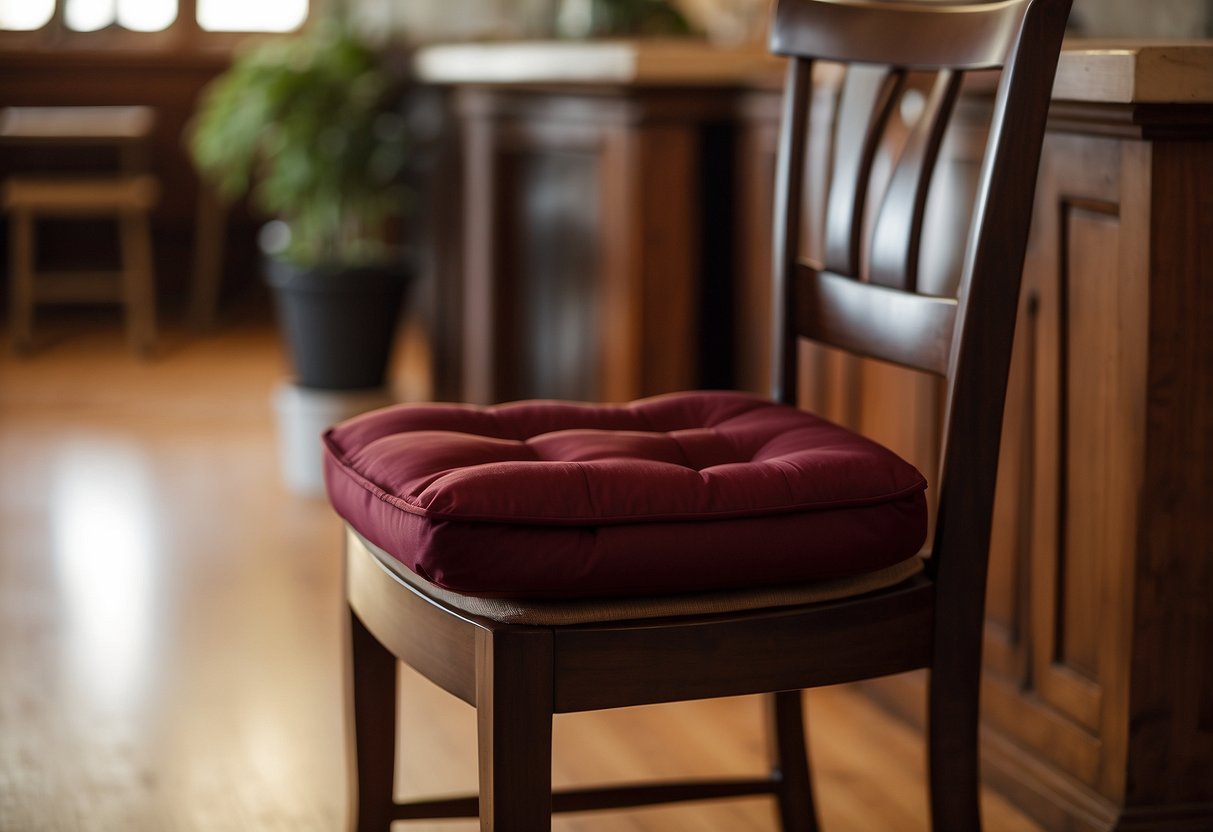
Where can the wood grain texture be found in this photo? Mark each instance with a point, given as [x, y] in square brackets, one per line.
[1171, 746]
[1135, 72]
[437, 644]
[514, 689]
[912, 330]
[610, 666]
[372, 731]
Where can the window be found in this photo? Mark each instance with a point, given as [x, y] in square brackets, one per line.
[25, 15]
[243, 16]
[135, 15]
[67, 16]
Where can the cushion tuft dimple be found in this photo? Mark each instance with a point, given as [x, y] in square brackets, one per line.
[685, 492]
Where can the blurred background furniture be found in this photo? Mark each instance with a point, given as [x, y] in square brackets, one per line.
[584, 245]
[125, 196]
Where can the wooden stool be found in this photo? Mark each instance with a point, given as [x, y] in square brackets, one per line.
[128, 200]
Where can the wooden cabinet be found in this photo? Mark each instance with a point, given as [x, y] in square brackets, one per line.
[1098, 683]
[585, 244]
[593, 255]
[1100, 661]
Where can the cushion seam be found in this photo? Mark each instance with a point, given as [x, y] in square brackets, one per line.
[374, 488]
[613, 520]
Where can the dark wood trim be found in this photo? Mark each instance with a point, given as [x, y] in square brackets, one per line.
[789, 202]
[513, 668]
[868, 96]
[371, 755]
[436, 641]
[911, 330]
[973, 36]
[790, 762]
[610, 666]
[1151, 122]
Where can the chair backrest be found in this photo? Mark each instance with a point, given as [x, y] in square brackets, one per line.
[860, 293]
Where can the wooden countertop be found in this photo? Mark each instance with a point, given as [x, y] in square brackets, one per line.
[1113, 72]
[1124, 72]
[652, 62]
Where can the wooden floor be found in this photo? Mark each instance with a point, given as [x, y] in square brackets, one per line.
[169, 620]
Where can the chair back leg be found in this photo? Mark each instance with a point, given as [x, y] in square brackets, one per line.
[371, 694]
[790, 761]
[514, 719]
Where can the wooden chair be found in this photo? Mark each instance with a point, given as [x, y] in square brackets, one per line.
[125, 197]
[519, 662]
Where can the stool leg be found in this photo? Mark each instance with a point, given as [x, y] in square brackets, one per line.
[209, 233]
[21, 286]
[138, 290]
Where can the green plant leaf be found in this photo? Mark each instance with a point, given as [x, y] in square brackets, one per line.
[308, 126]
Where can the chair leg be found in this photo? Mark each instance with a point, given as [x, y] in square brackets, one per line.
[209, 240]
[514, 720]
[371, 728]
[138, 282]
[952, 743]
[21, 297]
[790, 761]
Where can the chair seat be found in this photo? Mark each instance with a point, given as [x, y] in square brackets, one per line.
[688, 492]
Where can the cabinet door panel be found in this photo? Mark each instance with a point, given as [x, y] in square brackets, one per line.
[1062, 538]
[1073, 554]
[550, 257]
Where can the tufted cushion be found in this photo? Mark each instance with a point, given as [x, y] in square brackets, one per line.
[685, 492]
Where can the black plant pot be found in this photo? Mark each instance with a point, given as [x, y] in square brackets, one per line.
[339, 323]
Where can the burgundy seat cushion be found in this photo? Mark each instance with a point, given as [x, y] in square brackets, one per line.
[685, 492]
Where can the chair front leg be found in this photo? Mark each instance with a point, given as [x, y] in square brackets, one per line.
[371, 728]
[514, 719]
[790, 761]
[952, 745]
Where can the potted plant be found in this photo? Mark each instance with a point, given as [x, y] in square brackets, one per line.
[310, 127]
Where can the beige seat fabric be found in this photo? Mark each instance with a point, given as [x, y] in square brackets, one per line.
[557, 613]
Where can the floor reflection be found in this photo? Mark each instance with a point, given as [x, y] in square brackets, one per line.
[104, 543]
